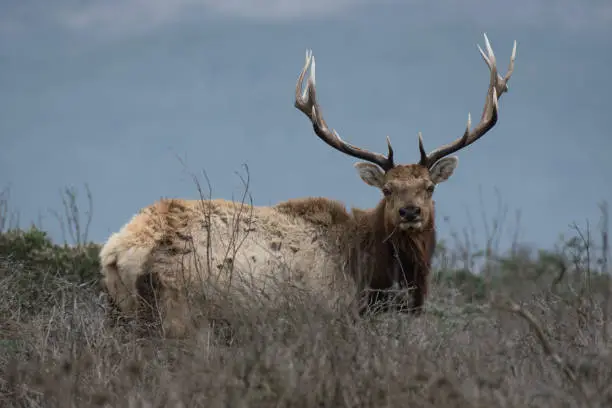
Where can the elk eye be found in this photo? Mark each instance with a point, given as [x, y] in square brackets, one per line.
[431, 189]
[386, 191]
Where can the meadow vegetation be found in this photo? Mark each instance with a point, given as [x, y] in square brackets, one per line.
[523, 327]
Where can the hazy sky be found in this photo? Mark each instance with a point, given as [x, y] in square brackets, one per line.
[115, 93]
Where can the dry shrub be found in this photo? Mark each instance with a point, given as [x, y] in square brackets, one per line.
[298, 352]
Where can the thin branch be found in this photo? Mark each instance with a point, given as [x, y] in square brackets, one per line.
[559, 361]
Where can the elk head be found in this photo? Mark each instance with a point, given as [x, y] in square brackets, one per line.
[407, 189]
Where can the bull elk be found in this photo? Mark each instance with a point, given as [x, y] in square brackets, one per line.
[311, 242]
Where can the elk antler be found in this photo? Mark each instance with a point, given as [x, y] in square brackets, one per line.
[306, 102]
[497, 87]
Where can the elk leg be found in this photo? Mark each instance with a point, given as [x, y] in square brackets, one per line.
[419, 294]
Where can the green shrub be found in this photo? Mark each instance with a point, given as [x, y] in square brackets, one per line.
[33, 270]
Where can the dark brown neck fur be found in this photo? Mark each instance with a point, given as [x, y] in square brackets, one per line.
[409, 252]
[386, 257]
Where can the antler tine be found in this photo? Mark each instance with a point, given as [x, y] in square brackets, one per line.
[497, 86]
[306, 102]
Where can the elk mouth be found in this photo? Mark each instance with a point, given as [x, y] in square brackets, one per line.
[412, 225]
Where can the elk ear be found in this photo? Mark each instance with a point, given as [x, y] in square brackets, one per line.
[371, 174]
[443, 169]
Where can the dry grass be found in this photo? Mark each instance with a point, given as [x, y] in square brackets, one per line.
[299, 353]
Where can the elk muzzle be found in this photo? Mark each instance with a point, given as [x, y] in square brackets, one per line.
[410, 214]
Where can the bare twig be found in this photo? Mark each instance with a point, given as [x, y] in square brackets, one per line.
[603, 207]
[586, 289]
[8, 219]
[70, 223]
[515, 235]
[604, 267]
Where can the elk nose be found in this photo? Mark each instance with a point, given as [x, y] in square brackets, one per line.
[410, 213]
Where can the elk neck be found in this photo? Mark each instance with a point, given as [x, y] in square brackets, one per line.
[409, 252]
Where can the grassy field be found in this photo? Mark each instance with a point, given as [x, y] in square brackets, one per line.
[530, 331]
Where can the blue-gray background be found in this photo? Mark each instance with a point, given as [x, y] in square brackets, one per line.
[116, 93]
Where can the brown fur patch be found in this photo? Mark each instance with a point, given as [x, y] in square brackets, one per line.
[154, 222]
[408, 171]
[317, 210]
[172, 214]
